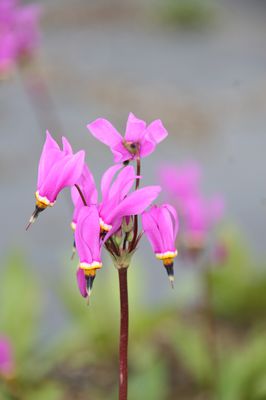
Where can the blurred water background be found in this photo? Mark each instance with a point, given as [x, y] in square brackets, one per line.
[202, 70]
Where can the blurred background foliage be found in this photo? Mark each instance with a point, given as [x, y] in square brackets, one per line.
[209, 350]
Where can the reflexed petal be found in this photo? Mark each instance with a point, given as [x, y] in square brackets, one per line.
[123, 183]
[173, 212]
[135, 129]
[152, 231]
[50, 152]
[136, 202]
[71, 172]
[104, 131]
[87, 235]
[166, 228]
[156, 131]
[64, 173]
[107, 178]
[67, 146]
[81, 282]
[87, 185]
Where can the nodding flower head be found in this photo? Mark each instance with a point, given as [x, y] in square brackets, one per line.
[117, 202]
[160, 223]
[140, 140]
[87, 239]
[57, 170]
[6, 358]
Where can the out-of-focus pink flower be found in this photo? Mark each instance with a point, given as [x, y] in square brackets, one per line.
[19, 32]
[87, 239]
[87, 186]
[181, 182]
[198, 213]
[117, 202]
[6, 357]
[57, 170]
[160, 224]
[140, 140]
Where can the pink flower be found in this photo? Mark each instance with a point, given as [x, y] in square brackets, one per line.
[160, 224]
[140, 140]
[117, 202]
[87, 186]
[19, 32]
[87, 239]
[181, 182]
[198, 214]
[57, 170]
[6, 357]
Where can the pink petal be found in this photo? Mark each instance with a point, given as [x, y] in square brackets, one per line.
[120, 153]
[152, 231]
[174, 215]
[64, 173]
[87, 185]
[107, 178]
[66, 146]
[87, 235]
[135, 129]
[50, 152]
[147, 147]
[136, 202]
[156, 131]
[123, 183]
[166, 228]
[72, 171]
[81, 282]
[104, 131]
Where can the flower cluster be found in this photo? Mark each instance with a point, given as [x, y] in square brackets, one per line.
[111, 221]
[198, 214]
[19, 33]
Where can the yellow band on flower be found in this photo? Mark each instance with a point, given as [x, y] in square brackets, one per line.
[42, 201]
[105, 227]
[167, 257]
[90, 268]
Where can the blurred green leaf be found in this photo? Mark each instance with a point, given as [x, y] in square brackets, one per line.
[19, 310]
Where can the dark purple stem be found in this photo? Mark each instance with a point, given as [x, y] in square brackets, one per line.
[134, 241]
[123, 346]
[81, 195]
